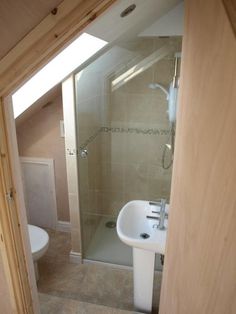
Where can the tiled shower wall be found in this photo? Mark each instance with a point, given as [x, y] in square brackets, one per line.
[133, 145]
[124, 132]
[92, 114]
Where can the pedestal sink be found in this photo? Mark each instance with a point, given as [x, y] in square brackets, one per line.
[142, 233]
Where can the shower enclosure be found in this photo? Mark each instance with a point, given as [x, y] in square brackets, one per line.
[122, 132]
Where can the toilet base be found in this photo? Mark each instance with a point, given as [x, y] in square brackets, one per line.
[36, 271]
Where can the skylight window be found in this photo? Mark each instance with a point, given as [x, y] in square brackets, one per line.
[55, 71]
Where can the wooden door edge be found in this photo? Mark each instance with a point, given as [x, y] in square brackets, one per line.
[11, 227]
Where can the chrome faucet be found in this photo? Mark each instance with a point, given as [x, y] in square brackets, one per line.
[161, 218]
[162, 214]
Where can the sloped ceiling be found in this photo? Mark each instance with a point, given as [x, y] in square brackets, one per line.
[45, 100]
[170, 24]
[19, 17]
[124, 34]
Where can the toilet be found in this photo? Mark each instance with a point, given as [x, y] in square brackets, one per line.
[39, 242]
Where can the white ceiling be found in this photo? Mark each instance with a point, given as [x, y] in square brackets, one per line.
[170, 24]
[110, 26]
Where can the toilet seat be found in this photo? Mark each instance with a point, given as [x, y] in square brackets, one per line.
[39, 241]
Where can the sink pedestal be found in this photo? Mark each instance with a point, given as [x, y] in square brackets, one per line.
[143, 265]
[135, 229]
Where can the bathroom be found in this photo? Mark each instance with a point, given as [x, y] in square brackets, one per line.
[114, 144]
[95, 190]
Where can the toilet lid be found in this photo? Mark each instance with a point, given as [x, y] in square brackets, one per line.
[38, 238]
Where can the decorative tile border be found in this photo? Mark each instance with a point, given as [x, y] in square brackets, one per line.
[90, 139]
[105, 129]
[152, 131]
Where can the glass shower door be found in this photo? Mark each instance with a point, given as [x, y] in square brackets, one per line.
[122, 129]
[98, 217]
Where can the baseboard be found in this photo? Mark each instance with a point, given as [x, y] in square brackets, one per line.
[75, 257]
[63, 226]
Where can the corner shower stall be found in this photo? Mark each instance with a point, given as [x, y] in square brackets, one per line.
[124, 137]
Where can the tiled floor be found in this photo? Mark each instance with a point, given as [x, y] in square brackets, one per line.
[87, 283]
[55, 305]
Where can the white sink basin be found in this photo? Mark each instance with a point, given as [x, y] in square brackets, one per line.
[132, 223]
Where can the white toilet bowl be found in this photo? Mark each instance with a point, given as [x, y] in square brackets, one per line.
[39, 241]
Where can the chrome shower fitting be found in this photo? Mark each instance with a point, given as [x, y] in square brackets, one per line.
[176, 71]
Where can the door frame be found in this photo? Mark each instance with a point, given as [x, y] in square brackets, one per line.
[13, 219]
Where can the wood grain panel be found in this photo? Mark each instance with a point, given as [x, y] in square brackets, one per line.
[200, 264]
[10, 231]
[17, 18]
[46, 40]
[7, 304]
[20, 202]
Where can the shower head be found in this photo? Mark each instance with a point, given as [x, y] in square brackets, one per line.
[156, 86]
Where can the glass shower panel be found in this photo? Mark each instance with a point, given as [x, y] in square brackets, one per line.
[122, 128]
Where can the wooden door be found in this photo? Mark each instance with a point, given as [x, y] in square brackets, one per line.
[7, 301]
[13, 263]
[200, 264]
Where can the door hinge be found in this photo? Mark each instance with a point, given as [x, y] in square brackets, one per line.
[10, 195]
